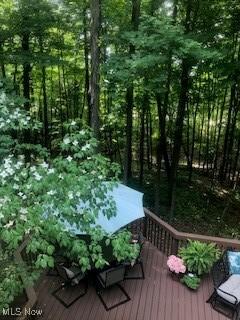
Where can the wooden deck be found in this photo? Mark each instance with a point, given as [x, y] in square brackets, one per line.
[156, 297]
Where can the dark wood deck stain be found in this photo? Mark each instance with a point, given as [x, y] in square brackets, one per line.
[158, 297]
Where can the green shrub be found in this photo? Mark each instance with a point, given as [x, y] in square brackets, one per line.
[199, 257]
[191, 281]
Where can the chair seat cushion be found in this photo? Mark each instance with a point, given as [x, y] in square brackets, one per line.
[231, 286]
[234, 262]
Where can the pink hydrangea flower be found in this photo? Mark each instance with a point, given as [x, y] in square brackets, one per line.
[176, 264]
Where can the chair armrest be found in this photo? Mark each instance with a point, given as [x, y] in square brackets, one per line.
[77, 275]
[229, 294]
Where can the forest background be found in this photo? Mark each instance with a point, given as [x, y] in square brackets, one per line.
[157, 81]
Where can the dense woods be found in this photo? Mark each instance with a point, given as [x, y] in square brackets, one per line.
[158, 82]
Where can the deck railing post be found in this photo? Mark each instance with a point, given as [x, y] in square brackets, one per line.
[145, 227]
[175, 246]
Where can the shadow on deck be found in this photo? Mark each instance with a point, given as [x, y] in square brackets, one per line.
[156, 297]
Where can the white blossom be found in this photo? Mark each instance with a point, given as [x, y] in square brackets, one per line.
[86, 147]
[70, 195]
[9, 224]
[15, 186]
[73, 123]
[51, 192]
[23, 210]
[3, 174]
[23, 217]
[24, 174]
[32, 168]
[82, 132]
[51, 170]
[66, 140]
[18, 165]
[44, 165]
[22, 195]
[69, 158]
[75, 143]
[60, 176]
[37, 176]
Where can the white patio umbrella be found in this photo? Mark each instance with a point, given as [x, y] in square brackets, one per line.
[129, 205]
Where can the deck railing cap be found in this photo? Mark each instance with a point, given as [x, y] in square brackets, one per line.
[224, 242]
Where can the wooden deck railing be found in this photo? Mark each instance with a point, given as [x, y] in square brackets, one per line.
[169, 240]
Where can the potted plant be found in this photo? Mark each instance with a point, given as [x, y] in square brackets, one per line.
[199, 257]
[191, 281]
[176, 266]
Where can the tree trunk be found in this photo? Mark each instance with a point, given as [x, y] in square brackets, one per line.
[127, 174]
[178, 133]
[87, 94]
[2, 63]
[163, 137]
[26, 70]
[95, 7]
[193, 135]
[45, 105]
[183, 98]
[142, 135]
[128, 147]
[222, 170]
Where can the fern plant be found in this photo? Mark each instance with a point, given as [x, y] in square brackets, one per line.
[199, 257]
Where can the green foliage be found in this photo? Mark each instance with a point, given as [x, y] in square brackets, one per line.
[39, 197]
[199, 256]
[122, 248]
[12, 276]
[191, 281]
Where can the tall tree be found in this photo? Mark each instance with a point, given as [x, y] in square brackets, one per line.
[183, 96]
[95, 7]
[136, 4]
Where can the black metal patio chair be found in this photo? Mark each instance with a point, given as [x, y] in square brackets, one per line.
[59, 259]
[109, 278]
[72, 276]
[226, 296]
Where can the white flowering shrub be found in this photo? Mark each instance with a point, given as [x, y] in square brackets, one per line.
[38, 200]
[14, 121]
[45, 199]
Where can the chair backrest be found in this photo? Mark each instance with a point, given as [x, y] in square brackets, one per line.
[219, 272]
[62, 272]
[114, 275]
[226, 261]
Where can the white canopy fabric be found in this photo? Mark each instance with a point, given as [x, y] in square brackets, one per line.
[129, 204]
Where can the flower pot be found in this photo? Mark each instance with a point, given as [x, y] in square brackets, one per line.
[176, 276]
